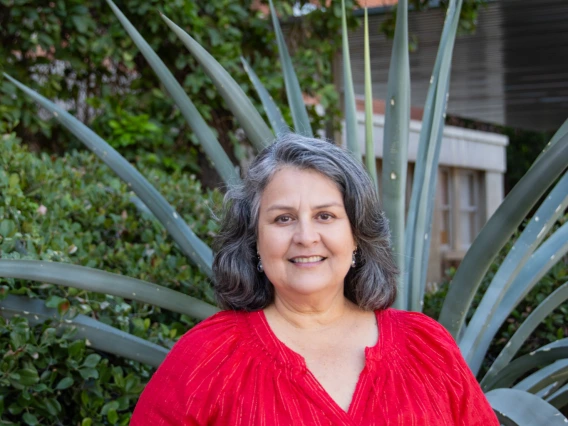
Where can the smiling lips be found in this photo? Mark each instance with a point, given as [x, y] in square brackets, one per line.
[310, 259]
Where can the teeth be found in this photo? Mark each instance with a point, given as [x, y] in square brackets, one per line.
[307, 259]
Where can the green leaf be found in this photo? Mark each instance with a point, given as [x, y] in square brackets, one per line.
[273, 113]
[555, 373]
[523, 408]
[555, 299]
[14, 181]
[349, 92]
[64, 383]
[53, 301]
[293, 91]
[92, 360]
[76, 349]
[28, 376]
[519, 367]
[7, 228]
[206, 138]
[30, 419]
[370, 158]
[395, 145]
[53, 406]
[419, 223]
[87, 422]
[113, 405]
[89, 373]
[106, 283]
[241, 106]
[546, 215]
[112, 416]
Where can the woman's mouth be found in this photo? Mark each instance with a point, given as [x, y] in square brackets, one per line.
[310, 259]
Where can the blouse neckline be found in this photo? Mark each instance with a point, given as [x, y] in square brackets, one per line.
[288, 357]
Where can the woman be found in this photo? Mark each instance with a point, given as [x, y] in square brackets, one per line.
[306, 277]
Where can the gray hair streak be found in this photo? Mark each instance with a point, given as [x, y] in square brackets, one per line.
[371, 284]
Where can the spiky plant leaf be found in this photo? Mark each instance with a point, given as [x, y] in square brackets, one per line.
[190, 244]
[295, 98]
[273, 113]
[419, 222]
[518, 368]
[106, 283]
[348, 92]
[100, 336]
[515, 407]
[559, 399]
[557, 372]
[545, 308]
[533, 234]
[497, 232]
[395, 144]
[547, 255]
[205, 136]
[370, 159]
[237, 101]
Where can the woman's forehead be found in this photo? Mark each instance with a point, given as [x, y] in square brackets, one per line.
[291, 185]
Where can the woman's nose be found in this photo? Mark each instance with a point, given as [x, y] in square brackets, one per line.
[306, 233]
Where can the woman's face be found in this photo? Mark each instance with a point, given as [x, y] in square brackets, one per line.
[304, 235]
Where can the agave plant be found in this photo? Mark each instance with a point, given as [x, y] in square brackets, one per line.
[541, 394]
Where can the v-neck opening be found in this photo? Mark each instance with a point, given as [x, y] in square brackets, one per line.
[289, 357]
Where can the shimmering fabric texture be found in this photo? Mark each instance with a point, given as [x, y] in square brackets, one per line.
[232, 370]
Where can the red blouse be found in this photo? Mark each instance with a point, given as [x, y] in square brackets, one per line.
[231, 370]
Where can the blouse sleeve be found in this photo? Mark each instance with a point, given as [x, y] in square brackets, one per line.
[468, 403]
[181, 391]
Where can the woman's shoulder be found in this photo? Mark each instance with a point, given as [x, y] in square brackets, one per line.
[218, 332]
[194, 372]
[416, 332]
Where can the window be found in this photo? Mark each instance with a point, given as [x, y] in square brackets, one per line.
[468, 207]
[445, 188]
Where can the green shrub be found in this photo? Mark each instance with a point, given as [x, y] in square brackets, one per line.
[73, 209]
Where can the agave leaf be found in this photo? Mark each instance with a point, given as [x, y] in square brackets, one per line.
[533, 234]
[189, 243]
[559, 399]
[100, 336]
[349, 93]
[418, 227]
[515, 407]
[206, 138]
[549, 389]
[497, 232]
[273, 113]
[370, 160]
[245, 112]
[561, 132]
[518, 368]
[106, 283]
[555, 299]
[547, 255]
[295, 98]
[557, 372]
[395, 143]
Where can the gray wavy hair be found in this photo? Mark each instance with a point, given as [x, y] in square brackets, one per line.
[371, 284]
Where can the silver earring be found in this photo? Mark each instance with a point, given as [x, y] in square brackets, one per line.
[259, 266]
[354, 258]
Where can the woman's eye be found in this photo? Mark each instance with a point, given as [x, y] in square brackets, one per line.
[325, 216]
[283, 219]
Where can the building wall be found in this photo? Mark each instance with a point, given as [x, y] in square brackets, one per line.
[469, 186]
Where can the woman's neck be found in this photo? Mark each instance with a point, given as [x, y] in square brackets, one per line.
[307, 315]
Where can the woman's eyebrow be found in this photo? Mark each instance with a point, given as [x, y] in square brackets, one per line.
[318, 207]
